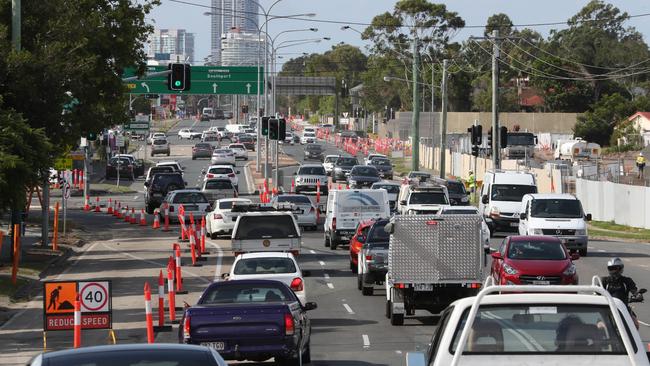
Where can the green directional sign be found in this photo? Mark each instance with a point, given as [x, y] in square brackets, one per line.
[205, 80]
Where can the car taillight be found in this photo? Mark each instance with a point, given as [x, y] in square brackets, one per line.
[210, 175]
[186, 327]
[296, 284]
[231, 175]
[171, 208]
[193, 149]
[289, 327]
[334, 223]
[369, 257]
[217, 217]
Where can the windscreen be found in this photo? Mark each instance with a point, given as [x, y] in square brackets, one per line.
[388, 187]
[419, 174]
[311, 170]
[218, 184]
[365, 171]
[159, 141]
[452, 211]
[236, 147]
[190, 197]
[309, 134]
[511, 193]
[428, 198]
[266, 227]
[314, 148]
[203, 146]
[380, 162]
[251, 266]
[331, 159]
[227, 205]
[556, 208]
[378, 234]
[148, 357]
[536, 250]
[456, 187]
[245, 139]
[222, 171]
[541, 329]
[347, 161]
[120, 161]
[246, 293]
[223, 151]
[294, 199]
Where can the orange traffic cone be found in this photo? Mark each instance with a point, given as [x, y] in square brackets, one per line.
[97, 208]
[86, 205]
[143, 220]
[156, 220]
[127, 218]
[110, 206]
[132, 218]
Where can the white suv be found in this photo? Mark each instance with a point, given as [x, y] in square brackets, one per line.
[309, 176]
[222, 171]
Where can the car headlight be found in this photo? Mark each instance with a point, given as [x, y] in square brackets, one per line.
[464, 199]
[353, 182]
[537, 232]
[494, 211]
[581, 232]
[570, 270]
[509, 270]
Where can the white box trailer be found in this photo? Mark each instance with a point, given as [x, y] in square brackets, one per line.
[433, 260]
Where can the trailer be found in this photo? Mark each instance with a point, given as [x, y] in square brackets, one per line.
[577, 149]
[433, 260]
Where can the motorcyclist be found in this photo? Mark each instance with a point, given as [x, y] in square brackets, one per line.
[620, 286]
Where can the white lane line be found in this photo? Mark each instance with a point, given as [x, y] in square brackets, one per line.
[321, 263]
[326, 276]
[135, 198]
[312, 251]
[217, 270]
[644, 323]
[330, 285]
[398, 352]
[643, 265]
[601, 250]
[366, 340]
[348, 308]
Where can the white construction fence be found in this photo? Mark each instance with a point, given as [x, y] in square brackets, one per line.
[621, 203]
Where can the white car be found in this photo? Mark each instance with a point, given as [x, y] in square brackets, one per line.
[156, 135]
[193, 201]
[174, 164]
[288, 138]
[328, 163]
[278, 266]
[371, 156]
[308, 138]
[208, 135]
[222, 171]
[305, 210]
[221, 220]
[239, 150]
[188, 133]
[223, 156]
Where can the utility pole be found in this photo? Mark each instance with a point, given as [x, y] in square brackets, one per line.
[496, 149]
[415, 122]
[443, 122]
[15, 24]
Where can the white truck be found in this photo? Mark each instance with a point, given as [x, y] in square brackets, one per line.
[433, 260]
[577, 149]
[268, 230]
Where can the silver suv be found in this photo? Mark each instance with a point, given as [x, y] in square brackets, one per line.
[309, 176]
[160, 146]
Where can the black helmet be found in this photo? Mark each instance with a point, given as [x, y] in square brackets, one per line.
[615, 267]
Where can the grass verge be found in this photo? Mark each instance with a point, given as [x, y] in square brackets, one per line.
[111, 188]
[402, 166]
[603, 228]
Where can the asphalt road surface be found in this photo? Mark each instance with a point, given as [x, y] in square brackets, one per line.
[348, 328]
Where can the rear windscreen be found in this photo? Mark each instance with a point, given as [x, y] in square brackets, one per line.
[218, 184]
[266, 227]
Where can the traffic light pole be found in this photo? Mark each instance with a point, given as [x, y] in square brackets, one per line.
[496, 158]
[475, 193]
[415, 121]
[443, 123]
[276, 179]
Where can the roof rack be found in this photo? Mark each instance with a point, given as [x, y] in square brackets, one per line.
[263, 207]
[489, 287]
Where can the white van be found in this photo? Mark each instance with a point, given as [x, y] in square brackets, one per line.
[346, 208]
[236, 128]
[559, 215]
[501, 196]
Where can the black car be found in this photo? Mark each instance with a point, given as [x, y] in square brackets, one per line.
[363, 176]
[202, 150]
[342, 166]
[247, 141]
[314, 152]
[384, 166]
[159, 186]
[121, 166]
[458, 196]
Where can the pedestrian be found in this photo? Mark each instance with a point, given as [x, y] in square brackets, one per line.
[471, 182]
[640, 164]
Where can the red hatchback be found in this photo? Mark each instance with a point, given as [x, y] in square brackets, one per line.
[533, 260]
[359, 237]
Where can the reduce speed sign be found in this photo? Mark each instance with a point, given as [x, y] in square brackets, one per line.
[95, 296]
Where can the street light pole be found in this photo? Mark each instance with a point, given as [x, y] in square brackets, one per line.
[443, 123]
[415, 122]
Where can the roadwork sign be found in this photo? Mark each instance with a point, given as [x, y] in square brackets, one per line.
[58, 305]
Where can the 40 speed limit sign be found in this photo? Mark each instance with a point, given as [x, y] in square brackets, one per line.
[95, 296]
[96, 304]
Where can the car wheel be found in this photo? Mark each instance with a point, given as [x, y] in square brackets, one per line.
[396, 319]
[387, 312]
[583, 252]
[367, 291]
[353, 267]
[193, 157]
[327, 241]
[359, 282]
[333, 243]
[306, 354]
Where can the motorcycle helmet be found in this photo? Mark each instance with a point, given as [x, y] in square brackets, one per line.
[615, 267]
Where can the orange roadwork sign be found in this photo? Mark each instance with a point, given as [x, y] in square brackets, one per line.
[60, 297]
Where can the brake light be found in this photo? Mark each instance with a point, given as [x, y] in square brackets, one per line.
[289, 327]
[369, 257]
[294, 252]
[210, 175]
[171, 208]
[296, 284]
[186, 327]
[399, 285]
[217, 217]
[474, 285]
[231, 175]
[334, 223]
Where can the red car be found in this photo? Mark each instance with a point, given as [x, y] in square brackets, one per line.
[357, 241]
[533, 260]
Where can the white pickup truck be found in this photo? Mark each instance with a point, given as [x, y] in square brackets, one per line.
[535, 325]
[266, 231]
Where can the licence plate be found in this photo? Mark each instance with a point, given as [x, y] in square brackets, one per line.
[514, 224]
[423, 287]
[219, 346]
[541, 282]
[191, 207]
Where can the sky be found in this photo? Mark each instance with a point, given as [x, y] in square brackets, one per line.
[172, 14]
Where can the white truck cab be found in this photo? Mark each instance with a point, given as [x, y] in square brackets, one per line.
[559, 215]
[501, 196]
[422, 198]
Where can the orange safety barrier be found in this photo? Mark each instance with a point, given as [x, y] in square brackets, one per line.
[171, 300]
[16, 249]
[77, 322]
[147, 312]
[55, 235]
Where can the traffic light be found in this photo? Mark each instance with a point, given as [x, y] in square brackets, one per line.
[489, 141]
[244, 109]
[265, 126]
[282, 129]
[476, 133]
[91, 136]
[180, 77]
[273, 128]
[475, 150]
[503, 137]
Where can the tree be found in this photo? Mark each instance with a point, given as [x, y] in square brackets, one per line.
[598, 124]
[500, 22]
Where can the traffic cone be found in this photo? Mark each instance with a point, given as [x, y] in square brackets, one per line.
[147, 312]
[143, 220]
[97, 207]
[161, 306]
[110, 206]
[86, 205]
[193, 250]
[166, 228]
[127, 217]
[132, 220]
[171, 300]
[179, 272]
[339, 186]
[156, 220]
[77, 322]
[203, 235]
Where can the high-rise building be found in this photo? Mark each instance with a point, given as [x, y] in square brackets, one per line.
[171, 45]
[228, 16]
[241, 49]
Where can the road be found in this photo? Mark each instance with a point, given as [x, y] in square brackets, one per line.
[348, 328]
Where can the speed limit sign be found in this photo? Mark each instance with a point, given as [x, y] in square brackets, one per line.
[95, 296]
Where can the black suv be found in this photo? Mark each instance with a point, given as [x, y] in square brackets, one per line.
[159, 186]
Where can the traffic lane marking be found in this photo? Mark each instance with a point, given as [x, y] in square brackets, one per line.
[217, 270]
[348, 309]
[366, 341]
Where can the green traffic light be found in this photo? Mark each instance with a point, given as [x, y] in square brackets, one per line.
[177, 83]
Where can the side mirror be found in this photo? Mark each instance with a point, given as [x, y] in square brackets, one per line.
[306, 273]
[643, 291]
[485, 200]
[225, 275]
[575, 256]
[146, 184]
[310, 306]
[389, 228]
[416, 359]
[361, 239]
[522, 216]
[588, 217]
[347, 174]
[497, 255]
[402, 202]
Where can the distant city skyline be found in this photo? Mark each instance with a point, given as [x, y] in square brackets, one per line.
[171, 44]
[228, 15]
